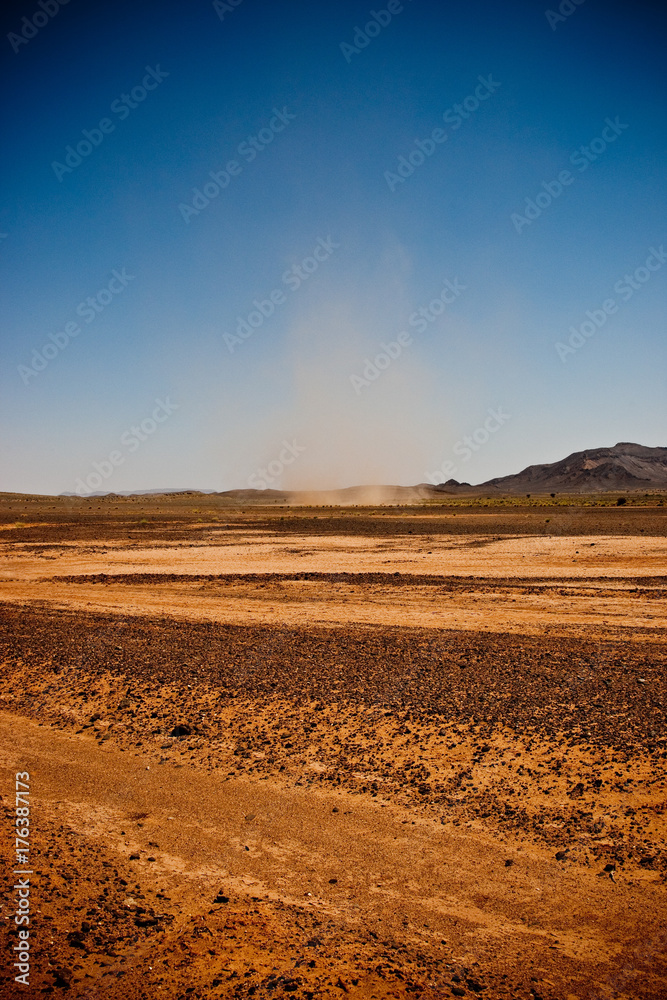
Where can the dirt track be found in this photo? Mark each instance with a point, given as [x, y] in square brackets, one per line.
[464, 895]
[408, 772]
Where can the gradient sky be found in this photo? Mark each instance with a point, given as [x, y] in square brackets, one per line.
[322, 178]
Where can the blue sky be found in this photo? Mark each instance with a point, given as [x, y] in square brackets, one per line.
[332, 127]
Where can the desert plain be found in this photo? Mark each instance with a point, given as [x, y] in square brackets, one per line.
[315, 751]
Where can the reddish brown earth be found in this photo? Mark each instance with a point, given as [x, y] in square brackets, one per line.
[326, 753]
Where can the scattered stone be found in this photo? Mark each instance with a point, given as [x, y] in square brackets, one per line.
[63, 980]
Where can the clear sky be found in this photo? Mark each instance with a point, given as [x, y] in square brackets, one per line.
[214, 216]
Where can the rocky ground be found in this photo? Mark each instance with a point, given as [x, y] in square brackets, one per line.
[227, 805]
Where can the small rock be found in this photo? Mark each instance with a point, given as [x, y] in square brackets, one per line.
[63, 981]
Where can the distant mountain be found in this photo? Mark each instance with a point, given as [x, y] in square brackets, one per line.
[623, 467]
[135, 493]
[626, 466]
[344, 496]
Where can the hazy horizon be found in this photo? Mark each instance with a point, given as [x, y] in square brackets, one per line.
[218, 218]
[146, 490]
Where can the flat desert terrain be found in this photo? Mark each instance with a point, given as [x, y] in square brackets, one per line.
[317, 752]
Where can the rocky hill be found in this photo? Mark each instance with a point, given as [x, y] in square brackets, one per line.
[626, 466]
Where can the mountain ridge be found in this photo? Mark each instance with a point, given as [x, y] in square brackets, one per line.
[625, 466]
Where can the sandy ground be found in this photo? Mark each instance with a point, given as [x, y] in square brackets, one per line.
[258, 552]
[596, 573]
[497, 606]
[335, 753]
